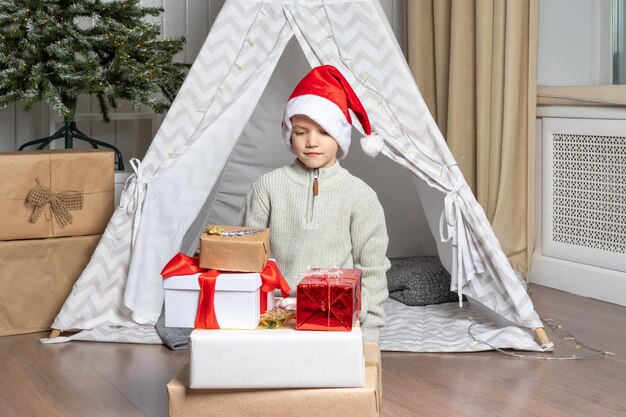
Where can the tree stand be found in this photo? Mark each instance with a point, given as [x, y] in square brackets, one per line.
[69, 131]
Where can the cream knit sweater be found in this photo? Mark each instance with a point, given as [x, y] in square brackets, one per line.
[343, 226]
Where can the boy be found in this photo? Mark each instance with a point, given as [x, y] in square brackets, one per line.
[319, 214]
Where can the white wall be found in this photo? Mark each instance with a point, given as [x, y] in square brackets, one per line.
[574, 49]
[574, 42]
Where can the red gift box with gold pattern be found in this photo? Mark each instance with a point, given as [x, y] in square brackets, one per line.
[328, 299]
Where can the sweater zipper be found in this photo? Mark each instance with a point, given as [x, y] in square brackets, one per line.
[315, 182]
[315, 192]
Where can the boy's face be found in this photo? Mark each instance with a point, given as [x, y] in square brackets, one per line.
[312, 145]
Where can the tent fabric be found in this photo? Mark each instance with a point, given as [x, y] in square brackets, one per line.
[120, 290]
[448, 328]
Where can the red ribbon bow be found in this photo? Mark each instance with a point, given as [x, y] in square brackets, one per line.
[181, 264]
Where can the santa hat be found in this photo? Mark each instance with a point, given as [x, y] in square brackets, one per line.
[325, 96]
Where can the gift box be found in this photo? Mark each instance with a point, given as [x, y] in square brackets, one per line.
[216, 299]
[55, 193]
[276, 358]
[245, 253]
[36, 277]
[318, 402]
[236, 301]
[328, 299]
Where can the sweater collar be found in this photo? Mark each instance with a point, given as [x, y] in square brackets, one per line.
[302, 174]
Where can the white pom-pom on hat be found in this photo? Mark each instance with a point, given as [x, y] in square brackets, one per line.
[372, 144]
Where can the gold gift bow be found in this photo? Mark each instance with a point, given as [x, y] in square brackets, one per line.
[276, 318]
[60, 203]
[214, 230]
[219, 231]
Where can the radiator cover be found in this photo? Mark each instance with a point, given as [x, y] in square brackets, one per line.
[584, 191]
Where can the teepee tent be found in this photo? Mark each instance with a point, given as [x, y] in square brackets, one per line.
[119, 296]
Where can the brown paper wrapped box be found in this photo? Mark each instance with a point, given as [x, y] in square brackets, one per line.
[246, 253]
[89, 171]
[36, 277]
[325, 402]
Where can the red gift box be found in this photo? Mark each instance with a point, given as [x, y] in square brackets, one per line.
[328, 299]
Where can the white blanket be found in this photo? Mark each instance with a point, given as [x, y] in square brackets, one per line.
[444, 328]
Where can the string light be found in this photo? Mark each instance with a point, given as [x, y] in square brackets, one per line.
[345, 60]
[557, 328]
[221, 89]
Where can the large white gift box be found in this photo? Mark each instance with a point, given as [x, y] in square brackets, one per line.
[276, 358]
[236, 302]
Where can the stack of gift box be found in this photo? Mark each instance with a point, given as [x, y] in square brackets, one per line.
[315, 365]
[54, 207]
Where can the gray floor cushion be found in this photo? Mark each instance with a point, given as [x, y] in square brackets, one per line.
[419, 281]
[175, 338]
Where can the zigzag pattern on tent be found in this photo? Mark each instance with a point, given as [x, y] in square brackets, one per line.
[246, 39]
[184, 180]
[97, 297]
[202, 88]
[265, 37]
[98, 291]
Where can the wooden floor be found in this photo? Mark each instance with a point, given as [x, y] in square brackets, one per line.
[105, 379]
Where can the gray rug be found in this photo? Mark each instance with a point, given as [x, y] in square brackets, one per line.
[175, 338]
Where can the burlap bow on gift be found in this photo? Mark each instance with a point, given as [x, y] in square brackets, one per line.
[60, 203]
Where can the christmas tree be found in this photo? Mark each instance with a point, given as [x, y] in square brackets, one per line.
[48, 53]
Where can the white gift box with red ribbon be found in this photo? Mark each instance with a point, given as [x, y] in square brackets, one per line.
[236, 301]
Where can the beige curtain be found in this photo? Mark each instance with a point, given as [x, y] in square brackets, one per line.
[475, 64]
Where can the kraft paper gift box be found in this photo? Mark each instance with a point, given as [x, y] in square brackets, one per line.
[247, 253]
[40, 193]
[317, 402]
[276, 358]
[36, 277]
[236, 301]
[328, 299]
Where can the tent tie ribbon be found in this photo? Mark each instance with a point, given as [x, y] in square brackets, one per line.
[133, 196]
[466, 261]
[451, 217]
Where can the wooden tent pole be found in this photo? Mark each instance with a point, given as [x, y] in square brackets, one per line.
[542, 337]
